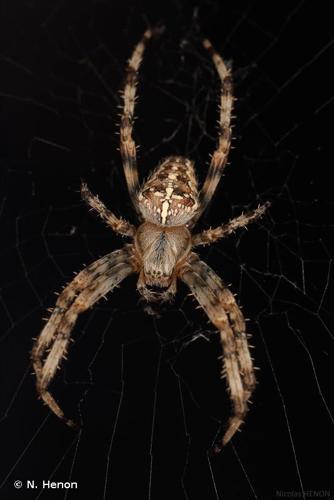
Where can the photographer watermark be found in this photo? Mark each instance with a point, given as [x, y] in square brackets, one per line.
[303, 494]
[45, 485]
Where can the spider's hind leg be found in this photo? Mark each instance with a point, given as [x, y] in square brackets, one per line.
[127, 143]
[220, 155]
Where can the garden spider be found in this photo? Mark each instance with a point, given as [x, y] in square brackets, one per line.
[168, 206]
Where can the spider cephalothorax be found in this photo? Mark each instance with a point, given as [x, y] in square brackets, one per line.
[168, 206]
[160, 252]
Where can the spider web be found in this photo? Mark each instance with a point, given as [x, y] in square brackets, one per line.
[144, 380]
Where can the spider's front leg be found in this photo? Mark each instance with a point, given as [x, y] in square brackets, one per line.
[220, 306]
[90, 285]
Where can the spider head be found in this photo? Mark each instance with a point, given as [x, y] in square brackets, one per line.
[160, 251]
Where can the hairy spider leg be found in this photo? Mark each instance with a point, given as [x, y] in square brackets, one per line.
[210, 236]
[220, 155]
[127, 143]
[89, 286]
[117, 224]
[221, 307]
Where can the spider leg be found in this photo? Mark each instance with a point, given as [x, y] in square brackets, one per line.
[211, 235]
[220, 306]
[127, 143]
[118, 225]
[90, 285]
[220, 155]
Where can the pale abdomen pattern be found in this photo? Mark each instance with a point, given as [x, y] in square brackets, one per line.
[170, 196]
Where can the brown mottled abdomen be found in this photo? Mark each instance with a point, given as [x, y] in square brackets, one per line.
[170, 196]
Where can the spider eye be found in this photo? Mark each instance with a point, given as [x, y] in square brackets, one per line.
[156, 288]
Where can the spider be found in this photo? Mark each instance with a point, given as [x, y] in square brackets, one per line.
[168, 206]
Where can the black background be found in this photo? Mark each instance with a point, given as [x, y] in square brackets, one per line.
[145, 380]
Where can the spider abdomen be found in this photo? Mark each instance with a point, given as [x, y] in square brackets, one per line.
[170, 197]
